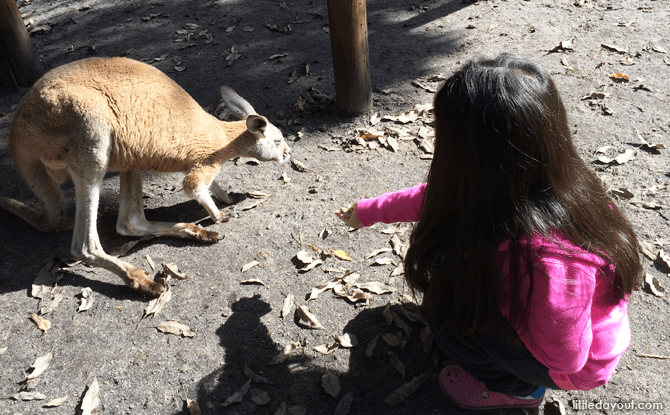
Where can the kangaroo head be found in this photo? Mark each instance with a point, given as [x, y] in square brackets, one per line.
[268, 143]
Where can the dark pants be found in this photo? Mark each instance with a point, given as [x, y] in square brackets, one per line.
[492, 360]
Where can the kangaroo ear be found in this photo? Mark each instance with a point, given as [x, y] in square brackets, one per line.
[257, 124]
[235, 103]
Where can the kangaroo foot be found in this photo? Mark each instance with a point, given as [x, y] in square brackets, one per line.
[200, 234]
[139, 280]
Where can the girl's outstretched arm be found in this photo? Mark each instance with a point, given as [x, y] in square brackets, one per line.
[401, 206]
[349, 215]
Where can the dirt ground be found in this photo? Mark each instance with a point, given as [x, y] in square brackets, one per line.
[277, 56]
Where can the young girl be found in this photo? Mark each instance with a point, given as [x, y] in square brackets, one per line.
[524, 263]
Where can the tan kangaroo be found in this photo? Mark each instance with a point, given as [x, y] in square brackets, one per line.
[95, 115]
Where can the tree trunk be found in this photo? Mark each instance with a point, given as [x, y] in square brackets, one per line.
[19, 52]
[349, 44]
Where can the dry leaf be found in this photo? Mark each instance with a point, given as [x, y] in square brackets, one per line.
[173, 271]
[400, 323]
[391, 339]
[370, 348]
[87, 300]
[253, 281]
[285, 178]
[398, 247]
[377, 252]
[376, 287]
[663, 258]
[299, 166]
[193, 407]
[259, 397]
[426, 339]
[399, 366]
[316, 291]
[289, 350]
[383, 261]
[156, 305]
[371, 134]
[354, 297]
[150, 262]
[326, 348]
[618, 77]
[305, 257]
[90, 402]
[255, 377]
[554, 407]
[392, 144]
[237, 396]
[250, 204]
[658, 49]
[342, 255]
[399, 395]
[123, 250]
[646, 205]
[324, 233]
[388, 314]
[42, 323]
[307, 318]
[288, 305]
[46, 278]
[331, 384]
[649, 250]
[344, 405]
[41, 364]
[653, 285]
[614, 48]
[55, 402]
[311, 266]
[399, 270]
[29, 396]
[175, 327]
[257, 194]
[55, 302]
[347, 340]
[246, 267]
[621, 192]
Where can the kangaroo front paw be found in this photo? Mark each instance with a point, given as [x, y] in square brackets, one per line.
[200, 234]
[139, 280]
[223, 217]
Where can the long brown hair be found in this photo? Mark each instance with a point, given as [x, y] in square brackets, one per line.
[505, 167]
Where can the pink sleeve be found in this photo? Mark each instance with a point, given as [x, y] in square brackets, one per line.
[559, 332]
[401, 206]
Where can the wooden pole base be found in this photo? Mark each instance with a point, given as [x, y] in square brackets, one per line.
[349, 44]
[18, 49]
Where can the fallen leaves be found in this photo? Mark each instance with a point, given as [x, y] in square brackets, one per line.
[56, 402]
[342, 255]
[41, 364]
[399, 395]
[307, 318]
[42, 323]
[331, 384]
[175, 327]
[237, 396]
[90, 402]
[87, 299]
[156, 305]
[653, 286]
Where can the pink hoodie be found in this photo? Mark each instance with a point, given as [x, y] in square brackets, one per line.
[577, 326]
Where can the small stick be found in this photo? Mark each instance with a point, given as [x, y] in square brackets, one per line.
[653, 356]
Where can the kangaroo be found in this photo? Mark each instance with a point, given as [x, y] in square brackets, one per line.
[88, 117]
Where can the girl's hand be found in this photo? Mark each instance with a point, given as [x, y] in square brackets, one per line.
[349, 216]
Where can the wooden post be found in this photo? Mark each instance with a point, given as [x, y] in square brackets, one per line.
[18, 49]
[351, 64]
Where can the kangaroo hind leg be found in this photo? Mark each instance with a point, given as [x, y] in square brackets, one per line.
[132, 222]
[47, 191]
